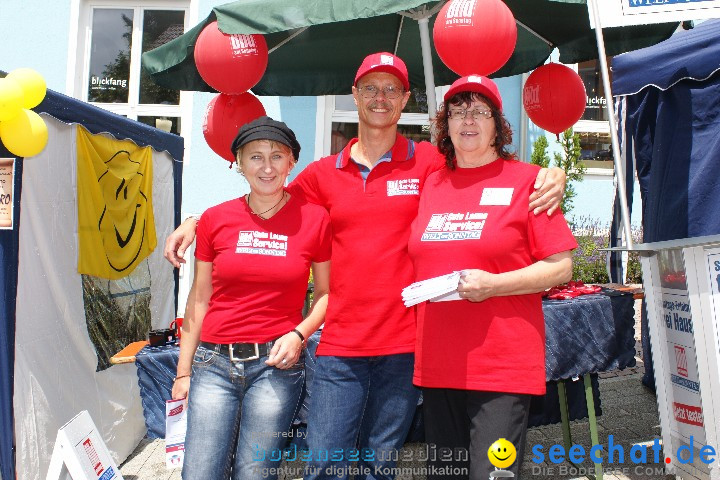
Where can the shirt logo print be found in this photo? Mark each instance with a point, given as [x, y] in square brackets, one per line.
[407, 186]
[252, 242]
[445, 227]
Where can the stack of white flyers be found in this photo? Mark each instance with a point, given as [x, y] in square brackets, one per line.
[437, 289]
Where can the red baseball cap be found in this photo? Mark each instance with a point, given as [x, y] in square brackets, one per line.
[479, 84]
[384, 62]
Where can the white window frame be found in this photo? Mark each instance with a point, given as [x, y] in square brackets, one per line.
[80, 50]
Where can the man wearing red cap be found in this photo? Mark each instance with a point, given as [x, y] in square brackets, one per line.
[362, 392]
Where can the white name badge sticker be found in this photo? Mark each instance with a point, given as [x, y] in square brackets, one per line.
[496, 196]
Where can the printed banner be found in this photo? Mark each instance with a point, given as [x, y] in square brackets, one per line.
[685, 400]
[621, 13]
[116, 228]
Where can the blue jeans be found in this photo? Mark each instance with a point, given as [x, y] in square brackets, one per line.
[238, 417]
[310, 367]
[362, 409]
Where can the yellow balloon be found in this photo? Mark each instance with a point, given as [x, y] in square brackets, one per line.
[11, 97]
[25, 135]
[32, 84]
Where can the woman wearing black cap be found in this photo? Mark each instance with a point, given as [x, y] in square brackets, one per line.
[243, 334]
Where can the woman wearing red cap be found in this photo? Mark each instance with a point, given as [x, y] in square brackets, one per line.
[243, 334]
[479, 358]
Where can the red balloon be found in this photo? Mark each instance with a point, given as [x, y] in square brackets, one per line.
[230, 64]
[554, 97]
[475, 36]
[224, 116]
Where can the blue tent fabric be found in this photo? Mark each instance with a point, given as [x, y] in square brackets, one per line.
[9, 240]
[669, 99]
[96, 120]
[692, 54]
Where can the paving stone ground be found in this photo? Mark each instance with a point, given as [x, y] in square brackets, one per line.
[629, 414]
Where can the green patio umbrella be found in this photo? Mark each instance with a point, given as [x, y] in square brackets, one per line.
[316, 46]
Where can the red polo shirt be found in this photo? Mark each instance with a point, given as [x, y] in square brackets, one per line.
[370, 221]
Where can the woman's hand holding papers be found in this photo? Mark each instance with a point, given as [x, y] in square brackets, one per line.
[476, 285]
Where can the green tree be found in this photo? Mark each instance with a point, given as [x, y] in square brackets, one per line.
[539, 155]
[568, 160]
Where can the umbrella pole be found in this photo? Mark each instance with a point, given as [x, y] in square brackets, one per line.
[619, 171]
[427, 66]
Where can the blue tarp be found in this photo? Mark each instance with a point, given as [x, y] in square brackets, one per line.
[668, 99]
[96, 120]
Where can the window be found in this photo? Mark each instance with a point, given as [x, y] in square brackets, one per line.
[596, 149]
[592, 78]
[118, 34]
[342, 123]
[593, 127]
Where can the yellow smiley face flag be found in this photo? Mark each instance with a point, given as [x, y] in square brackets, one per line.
[116, 228]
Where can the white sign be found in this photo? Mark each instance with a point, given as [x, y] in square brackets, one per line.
[685, 404]
[713, 263]
[80, 448]
[175, 427]
[621, 13]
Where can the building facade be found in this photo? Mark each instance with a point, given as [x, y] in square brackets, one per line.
[91, 49]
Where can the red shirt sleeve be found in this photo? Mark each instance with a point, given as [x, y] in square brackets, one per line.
[203, 241]
[306, 184]
[549, 235]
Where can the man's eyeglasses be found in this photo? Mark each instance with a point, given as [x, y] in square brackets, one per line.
[461, 114]
[370, 91]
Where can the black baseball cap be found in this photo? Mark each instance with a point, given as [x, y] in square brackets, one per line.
[265, 128]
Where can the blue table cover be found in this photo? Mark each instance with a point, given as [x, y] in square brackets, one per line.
[589, 334]
[156, 367]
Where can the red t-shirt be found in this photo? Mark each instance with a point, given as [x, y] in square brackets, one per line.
[370, 265]
[479, 218]
[260, 267]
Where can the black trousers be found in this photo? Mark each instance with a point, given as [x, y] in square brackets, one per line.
[470, 421]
